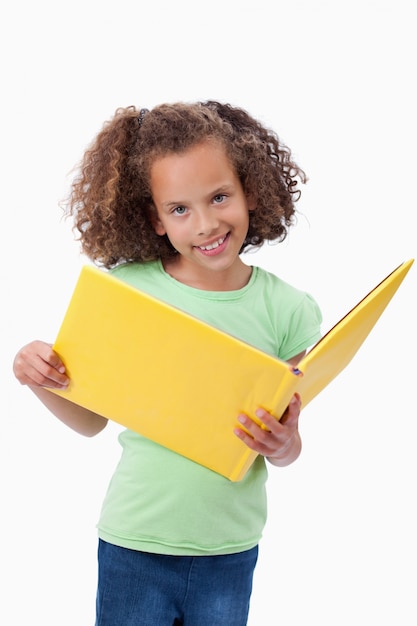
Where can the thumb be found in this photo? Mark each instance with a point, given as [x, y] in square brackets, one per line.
[293, 411]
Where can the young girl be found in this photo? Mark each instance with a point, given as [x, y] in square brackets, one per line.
[167, 200]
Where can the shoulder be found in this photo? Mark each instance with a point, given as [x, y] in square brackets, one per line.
[137, 273]
[278, 291]
[293, 313]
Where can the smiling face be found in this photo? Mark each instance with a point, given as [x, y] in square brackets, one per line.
[201, 207]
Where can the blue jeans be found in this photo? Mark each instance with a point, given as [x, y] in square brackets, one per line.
[142, 589]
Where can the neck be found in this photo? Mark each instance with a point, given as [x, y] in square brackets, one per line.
[232, 279]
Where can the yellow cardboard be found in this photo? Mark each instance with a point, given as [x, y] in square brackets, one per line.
[109, 341]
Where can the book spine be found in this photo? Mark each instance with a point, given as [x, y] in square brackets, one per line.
[285, 391]
[240, 468]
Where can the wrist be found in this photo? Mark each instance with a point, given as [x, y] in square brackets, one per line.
[289, 453]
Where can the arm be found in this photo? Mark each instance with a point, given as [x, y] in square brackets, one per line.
[39, 367]
[279, 440]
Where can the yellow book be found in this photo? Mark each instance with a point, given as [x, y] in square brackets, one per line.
[109, 342]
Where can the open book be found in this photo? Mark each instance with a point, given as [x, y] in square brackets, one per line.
[109, 343]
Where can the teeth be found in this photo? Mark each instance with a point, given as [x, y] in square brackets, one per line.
[214, 245]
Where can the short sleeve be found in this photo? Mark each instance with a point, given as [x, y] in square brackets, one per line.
[303, 329]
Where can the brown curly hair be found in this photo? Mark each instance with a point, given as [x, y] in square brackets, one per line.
[111, 199]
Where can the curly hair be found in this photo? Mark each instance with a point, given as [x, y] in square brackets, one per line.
[111, 199]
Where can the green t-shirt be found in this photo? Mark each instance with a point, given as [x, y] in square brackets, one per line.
[161, 502]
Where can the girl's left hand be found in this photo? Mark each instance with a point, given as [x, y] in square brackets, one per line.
[278, 440]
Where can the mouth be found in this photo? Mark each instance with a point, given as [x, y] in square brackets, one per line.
[215, 245]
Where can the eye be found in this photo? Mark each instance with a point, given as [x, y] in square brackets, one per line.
[179, 210]
[219, 198]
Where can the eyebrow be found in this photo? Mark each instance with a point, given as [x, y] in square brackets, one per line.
[225, 188]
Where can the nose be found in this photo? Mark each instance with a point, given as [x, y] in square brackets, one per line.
[206, 221]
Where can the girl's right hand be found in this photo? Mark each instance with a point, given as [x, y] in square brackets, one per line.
[37, 365]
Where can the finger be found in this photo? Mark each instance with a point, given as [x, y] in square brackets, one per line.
[38, 364]
[51, 358]
[291, 415]
[268, 422]
[256, 437]
[254, 429]
[267, 444]
[247, 439]
[42, 377]
[46, 374]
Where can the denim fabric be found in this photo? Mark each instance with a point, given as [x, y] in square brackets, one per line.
[143, 589]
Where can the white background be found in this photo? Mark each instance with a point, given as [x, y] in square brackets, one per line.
[336, 80]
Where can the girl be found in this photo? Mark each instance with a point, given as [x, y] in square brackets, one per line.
[167, 200]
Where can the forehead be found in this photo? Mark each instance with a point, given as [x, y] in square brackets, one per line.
[208, 148]
[205, 164]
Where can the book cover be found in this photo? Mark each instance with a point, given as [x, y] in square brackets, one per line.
[108, 341]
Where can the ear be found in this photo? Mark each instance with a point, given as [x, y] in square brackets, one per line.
[251, 202]
[159, 228]
[156, 223]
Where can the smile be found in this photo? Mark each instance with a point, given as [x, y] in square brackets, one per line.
[214, 245]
